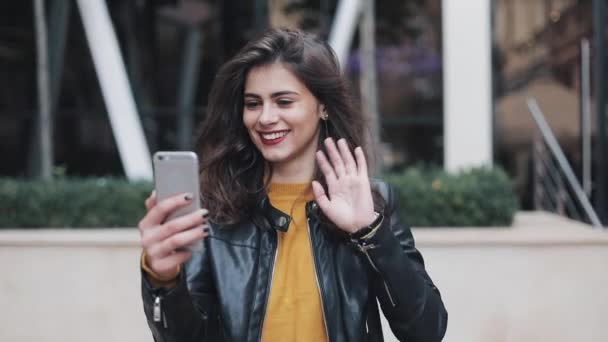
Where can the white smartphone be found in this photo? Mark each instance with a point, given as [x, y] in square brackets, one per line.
[176, 172]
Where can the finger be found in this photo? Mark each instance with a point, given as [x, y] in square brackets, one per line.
[334, 157]
[151, 200]
[327, 169]
[160, 212]
[347, 156]
[320, 196]
[178, 240]
[361, 162]
[152, 236]
[169, 264]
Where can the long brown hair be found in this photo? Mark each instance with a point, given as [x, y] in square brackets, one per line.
[232, 169]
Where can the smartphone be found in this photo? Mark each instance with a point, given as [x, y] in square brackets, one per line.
[176, 172]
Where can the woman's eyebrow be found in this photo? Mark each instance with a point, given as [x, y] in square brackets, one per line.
[284, 92]
[273, 95]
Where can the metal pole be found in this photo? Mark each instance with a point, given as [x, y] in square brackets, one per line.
[343, 28]
[586, 115]
[58, 28]
[557, 152]
[44, 95]
[116, 89]
[187, 88]
[599, 9]
[368, 82]
[539, 168]
[261, 14]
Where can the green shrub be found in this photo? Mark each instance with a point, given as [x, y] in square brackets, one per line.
[478, 197]
[68, 202]
[433, 198]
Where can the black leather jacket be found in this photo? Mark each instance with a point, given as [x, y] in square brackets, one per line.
[223, 291]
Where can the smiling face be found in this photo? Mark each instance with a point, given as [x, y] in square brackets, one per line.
[282, 118]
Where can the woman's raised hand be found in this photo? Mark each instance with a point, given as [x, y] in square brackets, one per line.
[161, 240]
[348, 202]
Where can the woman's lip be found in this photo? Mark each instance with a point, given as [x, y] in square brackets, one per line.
[272, 141]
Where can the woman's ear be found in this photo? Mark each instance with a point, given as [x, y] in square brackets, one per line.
[322, 112]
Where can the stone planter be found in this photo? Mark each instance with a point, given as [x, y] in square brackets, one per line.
[544, 279]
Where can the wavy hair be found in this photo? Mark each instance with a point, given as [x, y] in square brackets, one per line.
[232, 170]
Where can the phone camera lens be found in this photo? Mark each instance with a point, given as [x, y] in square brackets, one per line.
[161, 157]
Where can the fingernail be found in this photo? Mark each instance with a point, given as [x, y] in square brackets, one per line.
[188, 197]
[205, 213]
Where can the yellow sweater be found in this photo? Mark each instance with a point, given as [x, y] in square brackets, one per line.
[294, 311]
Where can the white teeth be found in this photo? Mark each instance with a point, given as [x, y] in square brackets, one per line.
[275, 135]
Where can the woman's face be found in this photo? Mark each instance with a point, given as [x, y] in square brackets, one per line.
[282, 118]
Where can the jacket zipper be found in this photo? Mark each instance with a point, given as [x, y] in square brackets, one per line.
[274, 263]
[314, 261]
[156, 310]
[157, 313]
[390, 297]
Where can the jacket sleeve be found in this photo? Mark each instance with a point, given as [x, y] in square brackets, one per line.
[408, 298]
[186, 312]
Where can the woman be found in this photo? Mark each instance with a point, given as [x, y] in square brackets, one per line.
[299, 246]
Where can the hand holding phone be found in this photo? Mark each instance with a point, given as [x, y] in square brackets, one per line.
[174, 225]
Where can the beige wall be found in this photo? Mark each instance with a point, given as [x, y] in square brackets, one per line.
[523, 294]
[60, 291]
[544, 280]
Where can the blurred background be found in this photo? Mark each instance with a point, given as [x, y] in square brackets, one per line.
[483, 113]
[171, 50]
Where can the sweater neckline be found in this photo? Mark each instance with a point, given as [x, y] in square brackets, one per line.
[291, 190]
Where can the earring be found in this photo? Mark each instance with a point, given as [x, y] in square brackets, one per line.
[325, 118]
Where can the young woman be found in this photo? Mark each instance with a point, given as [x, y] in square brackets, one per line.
[299, 244]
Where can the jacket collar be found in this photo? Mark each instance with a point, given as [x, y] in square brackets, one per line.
[269, 217]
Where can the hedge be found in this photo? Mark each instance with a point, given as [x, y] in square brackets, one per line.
[479, 197]
[435, 198]
[70, 202]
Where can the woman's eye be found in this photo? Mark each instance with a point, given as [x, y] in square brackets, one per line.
[284, 103]
[251, 104]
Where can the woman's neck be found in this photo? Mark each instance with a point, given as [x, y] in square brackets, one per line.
[302, 172]
[291, 175]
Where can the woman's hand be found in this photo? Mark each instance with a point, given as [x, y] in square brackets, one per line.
[161, 240]
[348, 203]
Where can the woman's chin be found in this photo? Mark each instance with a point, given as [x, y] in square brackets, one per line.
[273, 158]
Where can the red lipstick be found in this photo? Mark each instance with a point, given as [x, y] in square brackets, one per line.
[273, 141]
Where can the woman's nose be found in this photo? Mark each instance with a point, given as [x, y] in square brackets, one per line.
[268, 116]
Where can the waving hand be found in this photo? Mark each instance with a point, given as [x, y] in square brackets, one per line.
[348, 202]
